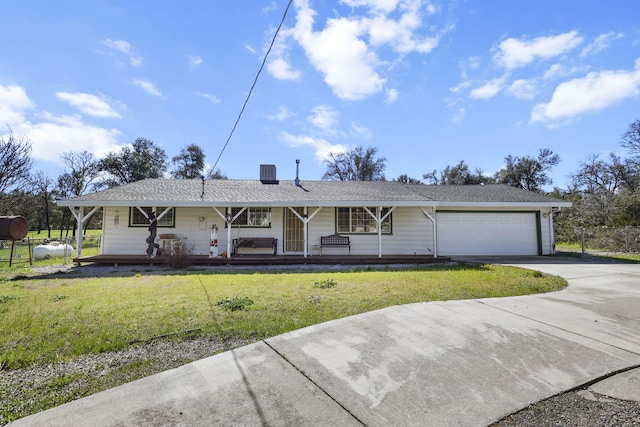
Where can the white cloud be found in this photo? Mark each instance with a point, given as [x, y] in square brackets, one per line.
[392, 96]
[125, 48]
[515, 53]
[349, 67]
[194, 61]
[601, 43]
[147, 86]
[361, 132]
[522, 89]
[52, 135]
[282, 70]
[89, 104]
[13, 103]
[592, 93]
[214, 99]
[346, 50]
[324, 118]
[489, 89]
[283, 114]
[57, 134]
[322, 147]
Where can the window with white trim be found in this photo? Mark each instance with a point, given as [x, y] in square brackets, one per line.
[358, 220]
[137, 219]
[252, 217]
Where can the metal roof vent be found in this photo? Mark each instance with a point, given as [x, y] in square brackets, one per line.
[268, 174]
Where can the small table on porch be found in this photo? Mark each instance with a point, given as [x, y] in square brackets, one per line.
[169, 246]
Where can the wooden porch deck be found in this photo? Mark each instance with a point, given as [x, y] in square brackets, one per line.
[258, 260]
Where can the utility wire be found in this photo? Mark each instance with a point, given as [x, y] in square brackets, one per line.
[255, 81]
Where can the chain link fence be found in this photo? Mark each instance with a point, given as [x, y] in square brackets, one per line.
[608, 239]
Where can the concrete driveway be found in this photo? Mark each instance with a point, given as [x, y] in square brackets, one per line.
[462, 363]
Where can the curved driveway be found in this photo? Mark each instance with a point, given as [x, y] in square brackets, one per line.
[462, 363]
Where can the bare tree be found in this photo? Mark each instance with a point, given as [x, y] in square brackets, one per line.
[356, 164]
[43, 189]
[83, 170]
[631, 139]
[15, 162]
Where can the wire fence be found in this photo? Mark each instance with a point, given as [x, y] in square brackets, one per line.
[609, 239]
[42, 251]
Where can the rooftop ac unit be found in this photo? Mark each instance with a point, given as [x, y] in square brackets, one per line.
[268, 174]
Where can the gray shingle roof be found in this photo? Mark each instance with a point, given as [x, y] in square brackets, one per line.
[182, 192]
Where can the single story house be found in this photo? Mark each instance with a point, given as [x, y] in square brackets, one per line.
[377, 218]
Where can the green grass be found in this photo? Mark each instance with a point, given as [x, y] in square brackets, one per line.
[58, 318]
[90, 247]
[575, 249]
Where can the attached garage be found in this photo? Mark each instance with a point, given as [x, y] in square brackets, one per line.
[488, 233]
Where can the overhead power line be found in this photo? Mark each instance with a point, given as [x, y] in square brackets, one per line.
[255, 81]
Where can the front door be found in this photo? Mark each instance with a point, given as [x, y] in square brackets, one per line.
[294, 231]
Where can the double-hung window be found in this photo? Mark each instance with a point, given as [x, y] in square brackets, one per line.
[252, 217]
[358, 220]
[137, 219]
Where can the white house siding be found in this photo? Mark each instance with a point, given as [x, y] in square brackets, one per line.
[412, 233]
[125, 240]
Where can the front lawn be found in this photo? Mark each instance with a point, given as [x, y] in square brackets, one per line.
[60, 317]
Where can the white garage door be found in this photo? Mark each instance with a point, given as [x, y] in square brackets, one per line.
[487, 234]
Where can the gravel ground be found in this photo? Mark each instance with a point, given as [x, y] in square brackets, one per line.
[576, 408]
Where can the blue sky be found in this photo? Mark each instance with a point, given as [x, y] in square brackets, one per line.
[428, 83]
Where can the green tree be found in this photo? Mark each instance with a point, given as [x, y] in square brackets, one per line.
[459, 174]
[406, 179]
[142, 161]
[189, 163]
[215, 175]
[356, 164]
[530, 173]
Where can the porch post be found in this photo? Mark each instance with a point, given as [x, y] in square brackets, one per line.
[305, 220]
[81, 218]
[228, 219]
[379, 221]
[379, 218]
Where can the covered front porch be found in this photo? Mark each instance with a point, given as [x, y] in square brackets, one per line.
[258, 260]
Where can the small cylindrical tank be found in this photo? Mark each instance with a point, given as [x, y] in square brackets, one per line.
[51, 250]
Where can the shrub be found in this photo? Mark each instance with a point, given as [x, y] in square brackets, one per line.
[235, 303]
[180, 257]
[325, 284]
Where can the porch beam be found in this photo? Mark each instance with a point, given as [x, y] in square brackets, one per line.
[228, 219]
[81, 219]
[379, 218]
[305, 220]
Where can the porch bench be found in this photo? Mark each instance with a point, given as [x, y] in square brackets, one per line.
[255, 243]
[335, 240]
